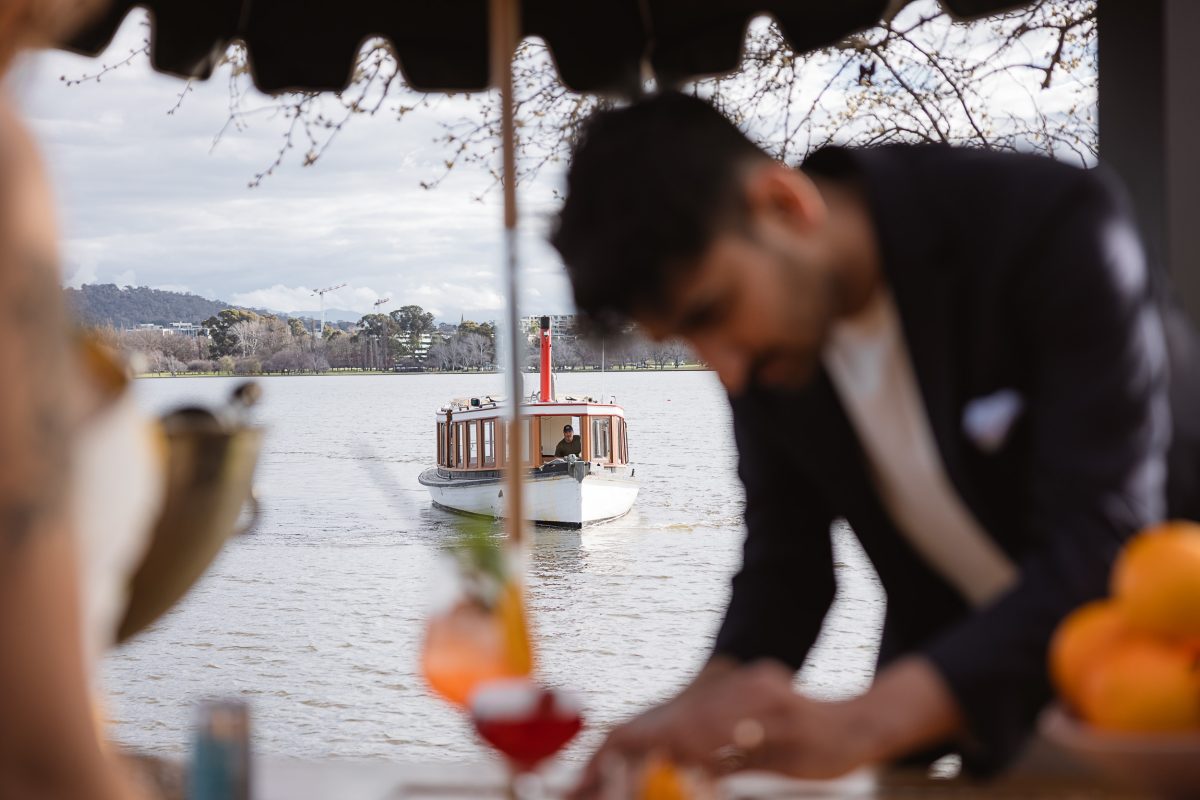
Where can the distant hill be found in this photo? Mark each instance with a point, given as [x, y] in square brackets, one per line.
[124, 307]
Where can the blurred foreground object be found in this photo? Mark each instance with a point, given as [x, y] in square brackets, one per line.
[1168, 765]
[527, 724]
[478, 654]
[481, 633]
[660, 779]
[120, 457]
[1157, 581]
[211, 458]
[155, 500]
[1127, 668]
[1130, 663]
[220, 768]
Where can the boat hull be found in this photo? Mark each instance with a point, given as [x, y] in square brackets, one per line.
[559, 499]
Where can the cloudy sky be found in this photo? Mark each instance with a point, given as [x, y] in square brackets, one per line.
[151, 198]
[147, 199]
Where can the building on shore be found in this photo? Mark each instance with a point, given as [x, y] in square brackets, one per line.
[422, 343]
[563, 325]
[189, 330]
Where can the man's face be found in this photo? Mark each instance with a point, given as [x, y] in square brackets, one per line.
[568, 435]
[756, 308]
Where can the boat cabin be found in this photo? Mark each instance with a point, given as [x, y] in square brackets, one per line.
[471, 433]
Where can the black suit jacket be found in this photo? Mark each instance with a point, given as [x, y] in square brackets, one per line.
[1009, 272]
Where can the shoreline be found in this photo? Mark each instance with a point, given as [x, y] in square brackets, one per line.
[366, 372]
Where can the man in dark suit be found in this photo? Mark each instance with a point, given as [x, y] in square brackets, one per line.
[970, 350]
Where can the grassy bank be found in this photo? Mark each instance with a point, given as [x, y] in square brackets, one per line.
[338, 372]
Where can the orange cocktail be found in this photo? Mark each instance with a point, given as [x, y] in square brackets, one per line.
[477, 640]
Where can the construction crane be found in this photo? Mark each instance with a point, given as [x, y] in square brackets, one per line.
[322, 292]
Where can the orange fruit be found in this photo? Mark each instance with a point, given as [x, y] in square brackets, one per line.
[661, 780]
[1156, 580]
[1082, 638]
[1143, 685]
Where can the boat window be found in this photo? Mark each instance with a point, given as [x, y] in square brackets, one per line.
[601, 439]
[552, 431]
[472, 440]
[487, 441]
[624, 442]
[458, 445]
[441, 446]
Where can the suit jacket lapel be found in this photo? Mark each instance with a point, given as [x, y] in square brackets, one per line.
[915, 248]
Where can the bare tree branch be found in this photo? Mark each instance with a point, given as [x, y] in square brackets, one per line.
[917, 76]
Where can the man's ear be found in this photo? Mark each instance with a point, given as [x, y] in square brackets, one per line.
[653, 327]
[774, 191]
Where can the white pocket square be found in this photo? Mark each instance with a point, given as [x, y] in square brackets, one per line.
[988, 420]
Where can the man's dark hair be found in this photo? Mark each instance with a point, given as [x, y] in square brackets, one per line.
[649, 187]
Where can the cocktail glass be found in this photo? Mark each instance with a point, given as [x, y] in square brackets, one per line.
[527, 724]
[480, 634]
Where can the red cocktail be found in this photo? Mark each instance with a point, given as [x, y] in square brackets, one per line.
[525, 722]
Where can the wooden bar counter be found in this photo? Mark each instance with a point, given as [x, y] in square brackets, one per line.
[280, 779]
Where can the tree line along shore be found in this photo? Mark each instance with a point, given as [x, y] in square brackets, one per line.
[408, 340]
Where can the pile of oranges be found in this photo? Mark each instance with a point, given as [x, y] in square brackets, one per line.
[661, 779]
[1131, 663]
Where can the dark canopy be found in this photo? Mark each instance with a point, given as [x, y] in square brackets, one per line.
[598, 45]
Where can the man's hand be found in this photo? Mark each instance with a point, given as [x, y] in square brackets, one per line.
[749, 717]
[752, 709]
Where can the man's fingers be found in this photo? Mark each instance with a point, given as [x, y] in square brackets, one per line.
[625, 746]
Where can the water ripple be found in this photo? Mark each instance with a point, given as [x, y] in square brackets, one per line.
[316, 617]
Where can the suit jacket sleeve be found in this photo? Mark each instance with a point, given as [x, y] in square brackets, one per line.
[786, 582]
[1099, 426]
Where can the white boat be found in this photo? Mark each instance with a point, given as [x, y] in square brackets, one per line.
[597, 485]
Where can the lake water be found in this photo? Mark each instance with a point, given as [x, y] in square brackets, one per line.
[316, 617]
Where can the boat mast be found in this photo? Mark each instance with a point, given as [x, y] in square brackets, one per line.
[547, 393]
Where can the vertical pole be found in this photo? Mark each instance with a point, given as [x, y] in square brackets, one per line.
[504, 26]
[1148, 126]
[1182, 167]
